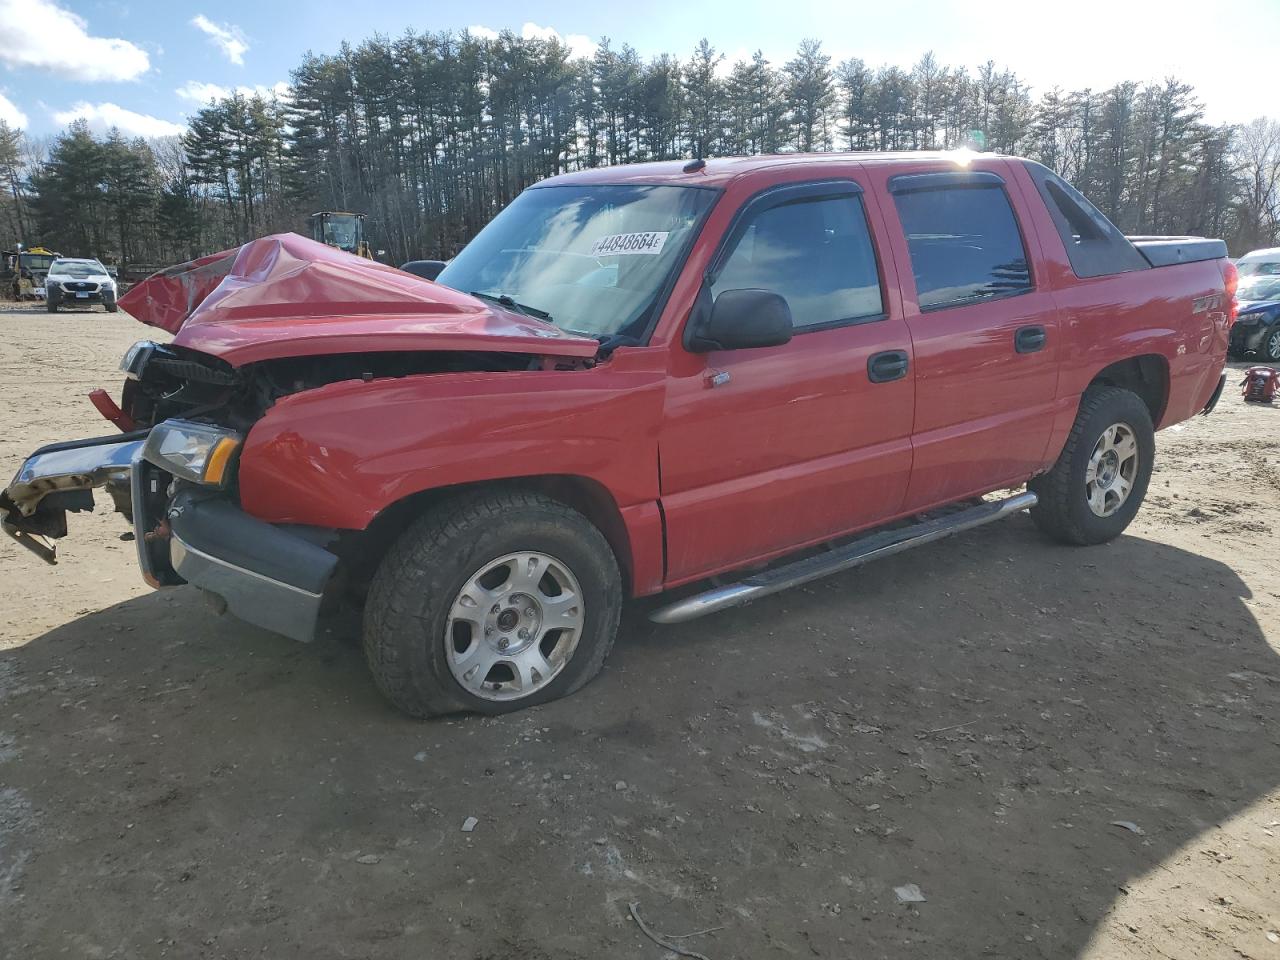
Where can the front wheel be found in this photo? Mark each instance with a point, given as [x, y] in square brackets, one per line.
[51, 306]
[491, 603]
[1094, 490]
[1270, 349]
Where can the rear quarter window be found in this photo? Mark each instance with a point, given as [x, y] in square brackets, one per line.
[1095, 246]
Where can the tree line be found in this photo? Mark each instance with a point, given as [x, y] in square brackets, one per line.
[430, 134]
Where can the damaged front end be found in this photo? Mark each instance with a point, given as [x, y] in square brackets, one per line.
[171, 483]
[276, 317]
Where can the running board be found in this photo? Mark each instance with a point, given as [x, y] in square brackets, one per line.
[855, 554]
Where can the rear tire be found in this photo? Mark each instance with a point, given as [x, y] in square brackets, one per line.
[426, 653]
[1094, 490]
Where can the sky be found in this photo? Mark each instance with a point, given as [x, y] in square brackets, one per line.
[146, 65]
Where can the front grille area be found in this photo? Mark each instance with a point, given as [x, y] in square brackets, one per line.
[79, 286]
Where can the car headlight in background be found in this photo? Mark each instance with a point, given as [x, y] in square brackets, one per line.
[193, 451]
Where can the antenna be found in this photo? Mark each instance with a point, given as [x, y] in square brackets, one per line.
[693, 166]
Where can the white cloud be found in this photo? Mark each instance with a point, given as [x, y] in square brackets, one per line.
[197, 91]
[104, 116]
[39, 33]
[578, 44]
[10, 113]
[226, 37]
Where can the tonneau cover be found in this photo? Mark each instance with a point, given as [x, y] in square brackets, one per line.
[286, 296]
[1166, 251]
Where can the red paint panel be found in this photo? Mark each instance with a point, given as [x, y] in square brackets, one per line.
[339, 455]
[796, 444]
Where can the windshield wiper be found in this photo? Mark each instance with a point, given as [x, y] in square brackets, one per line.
[506, 300]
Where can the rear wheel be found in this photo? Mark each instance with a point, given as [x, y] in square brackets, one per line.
[491, 603]
[1094, 490]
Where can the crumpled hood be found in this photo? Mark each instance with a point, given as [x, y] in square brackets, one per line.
[286, 296]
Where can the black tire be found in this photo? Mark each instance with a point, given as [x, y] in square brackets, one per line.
[1063, 511]
[414, 588]
[1269, 348]
[111, 306]
[51, 305]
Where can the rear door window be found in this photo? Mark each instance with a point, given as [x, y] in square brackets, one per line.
[965, 244]
[816, 253]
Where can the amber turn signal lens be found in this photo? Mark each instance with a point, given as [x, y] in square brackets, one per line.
[215, 469]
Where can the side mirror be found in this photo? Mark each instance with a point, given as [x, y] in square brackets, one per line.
[427, 269]
[741, 319]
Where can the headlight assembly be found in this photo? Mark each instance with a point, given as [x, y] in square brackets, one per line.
[193, 451]
[135, 358]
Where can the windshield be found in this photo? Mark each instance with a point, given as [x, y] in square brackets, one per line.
[1259, 268]
[77, 268]
[341, 232]
[591, 259]
[1259, 287]
[36, 261]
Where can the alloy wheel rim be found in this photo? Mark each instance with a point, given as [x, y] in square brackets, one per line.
[1112, 470]
[1273, 346]
[514, 626]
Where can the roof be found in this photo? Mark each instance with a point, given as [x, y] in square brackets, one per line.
[1265, 252]
[721, 170]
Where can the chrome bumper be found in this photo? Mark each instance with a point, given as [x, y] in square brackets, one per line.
[60, 477]
[269, 576]
[79, 465]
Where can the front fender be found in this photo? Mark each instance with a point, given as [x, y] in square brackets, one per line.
[339, 455]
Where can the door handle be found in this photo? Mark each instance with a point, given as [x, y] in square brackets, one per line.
[886, 366]
[1030, 339]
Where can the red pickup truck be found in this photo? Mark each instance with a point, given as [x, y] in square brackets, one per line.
[633, 380]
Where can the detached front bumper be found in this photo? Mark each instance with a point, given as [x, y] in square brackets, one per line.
[273, 577]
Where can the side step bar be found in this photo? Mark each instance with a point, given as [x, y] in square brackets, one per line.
[855, 554]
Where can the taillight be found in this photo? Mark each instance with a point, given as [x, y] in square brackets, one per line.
[1231, 280]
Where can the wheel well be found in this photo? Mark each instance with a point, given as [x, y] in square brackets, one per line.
[1146, 375]
[363, 550]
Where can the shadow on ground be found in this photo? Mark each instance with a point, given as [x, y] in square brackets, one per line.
[970, 718]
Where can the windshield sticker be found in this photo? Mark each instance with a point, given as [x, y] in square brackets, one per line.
[627, 243]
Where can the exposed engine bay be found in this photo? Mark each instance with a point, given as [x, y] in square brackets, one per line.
[167, 381]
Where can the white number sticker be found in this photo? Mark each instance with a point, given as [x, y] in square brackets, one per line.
[626, 243]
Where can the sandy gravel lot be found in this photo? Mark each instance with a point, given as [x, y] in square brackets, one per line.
[972, 718]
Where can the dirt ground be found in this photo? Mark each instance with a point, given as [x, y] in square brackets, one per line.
[973, 718]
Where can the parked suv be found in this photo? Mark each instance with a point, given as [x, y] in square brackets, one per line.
[636, 379]
[76, 281]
